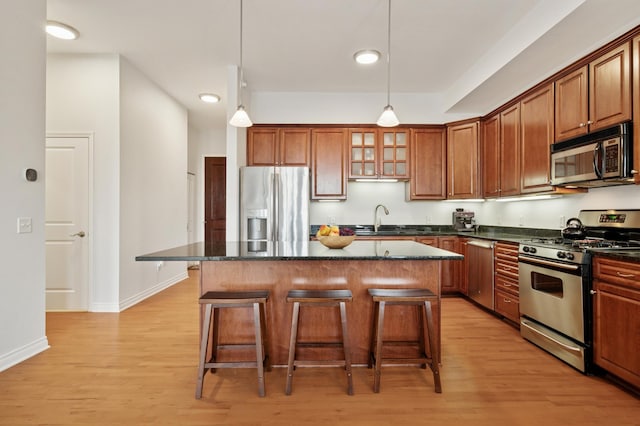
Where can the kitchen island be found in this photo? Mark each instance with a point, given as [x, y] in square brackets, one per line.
[282, 266]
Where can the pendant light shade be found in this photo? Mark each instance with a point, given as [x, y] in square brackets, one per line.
[388, 117]
[240, 118]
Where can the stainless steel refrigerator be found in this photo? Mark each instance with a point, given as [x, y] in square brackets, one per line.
[274, 204]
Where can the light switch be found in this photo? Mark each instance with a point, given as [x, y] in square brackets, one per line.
[24, 225]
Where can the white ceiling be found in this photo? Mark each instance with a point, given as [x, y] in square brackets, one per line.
[476, 54]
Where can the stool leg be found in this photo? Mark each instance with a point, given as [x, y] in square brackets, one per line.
[372, 340]
[378, 353]
[346, 345]
[214, 337]
[292, 346]
[259, 355]
[433, 349]
[422, 333]
[265, 337]
[204, 342]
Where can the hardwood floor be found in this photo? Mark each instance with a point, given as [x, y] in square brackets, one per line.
[139, 367]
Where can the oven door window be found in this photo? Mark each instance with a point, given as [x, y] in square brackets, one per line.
[547, 284]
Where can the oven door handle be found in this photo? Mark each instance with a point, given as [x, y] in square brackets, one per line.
[567, 347]
[536, 261]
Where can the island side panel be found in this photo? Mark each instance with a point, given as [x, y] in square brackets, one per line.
[320, 324]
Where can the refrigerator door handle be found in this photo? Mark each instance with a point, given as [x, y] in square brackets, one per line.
[276, 206]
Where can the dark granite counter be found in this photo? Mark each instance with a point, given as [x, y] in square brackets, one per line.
[628, 255]
[301, 250]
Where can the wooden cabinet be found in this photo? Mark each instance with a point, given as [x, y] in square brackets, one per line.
[506, 292]
[462, 160]
[491, 156]
[451, 279]
[273, 146]
[510, 151]
[616, 318]
[428, 165]
[536, 137]
[329, 164]
[379, 153]
[595, 96]
[636, 109]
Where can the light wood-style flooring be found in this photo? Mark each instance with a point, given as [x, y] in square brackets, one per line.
[138, 367]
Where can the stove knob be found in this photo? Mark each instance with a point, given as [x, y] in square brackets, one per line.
[533, 250]
[526, 249]
[570, 256]
[561, 255]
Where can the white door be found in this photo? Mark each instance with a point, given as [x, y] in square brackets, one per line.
[66, 223]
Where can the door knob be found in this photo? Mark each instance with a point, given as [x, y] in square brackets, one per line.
[80, 234]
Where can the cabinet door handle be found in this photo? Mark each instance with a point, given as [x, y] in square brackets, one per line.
[621, 275]
[507, 285]
[506, 300]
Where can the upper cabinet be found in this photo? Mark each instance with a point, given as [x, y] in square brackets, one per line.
[462, 160]
[595, 96]
[273, 146]
[491, 156]
[329, 164]
[379, 153]
[536, 137]
[510, 151]
[428, 164]
[636, 110]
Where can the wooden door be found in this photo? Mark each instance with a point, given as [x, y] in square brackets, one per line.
[215, 207]
[462, 160]
[362, 153]
[449, 273]
[428, 164]
[610, 88]
[294, 147]
[262, 146]
[329, 164]
[491, 156]
[510, 151]
[572, 112]
[536, 137]
[67, 236]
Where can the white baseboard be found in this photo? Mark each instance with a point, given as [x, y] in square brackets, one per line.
[137, 298]
[16, 356]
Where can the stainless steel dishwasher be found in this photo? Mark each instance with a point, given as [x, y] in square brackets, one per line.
[480, 278]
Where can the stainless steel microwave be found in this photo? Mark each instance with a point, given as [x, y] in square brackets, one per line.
[598, 159]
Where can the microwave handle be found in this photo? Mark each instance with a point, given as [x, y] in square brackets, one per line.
[597, 159]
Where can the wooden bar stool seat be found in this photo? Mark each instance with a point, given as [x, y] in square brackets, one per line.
[426, 344]
[315, 298]
[216, 300]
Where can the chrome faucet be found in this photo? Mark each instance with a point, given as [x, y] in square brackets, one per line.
[376, 220]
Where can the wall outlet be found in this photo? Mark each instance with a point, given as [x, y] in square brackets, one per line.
[521, 221]
[332, 220]
[562, 222]
[428, 220]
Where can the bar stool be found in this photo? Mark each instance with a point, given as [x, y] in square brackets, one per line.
[315, 298]
[422, 299]
[216, 300]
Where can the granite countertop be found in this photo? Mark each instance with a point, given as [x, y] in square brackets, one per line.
[302, 250]
[629, 255]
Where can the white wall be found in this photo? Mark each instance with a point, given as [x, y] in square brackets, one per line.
[83, 96]
[546, 214]
[22, 137]
[153, 184]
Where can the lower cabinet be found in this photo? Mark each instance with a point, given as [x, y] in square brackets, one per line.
[616, 318]
[452, 276]
[506, 290]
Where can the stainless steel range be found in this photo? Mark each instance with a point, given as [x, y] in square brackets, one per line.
[555, 282]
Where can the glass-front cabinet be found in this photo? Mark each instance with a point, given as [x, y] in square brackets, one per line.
[379, 153]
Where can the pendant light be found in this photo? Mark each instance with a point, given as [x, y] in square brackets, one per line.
[240, 117]
[388, 117]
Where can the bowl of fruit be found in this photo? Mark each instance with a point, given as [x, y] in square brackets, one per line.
[334, 237]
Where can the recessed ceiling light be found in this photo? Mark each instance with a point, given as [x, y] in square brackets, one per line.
[366, 57]
[209, 98]
[62, 31]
